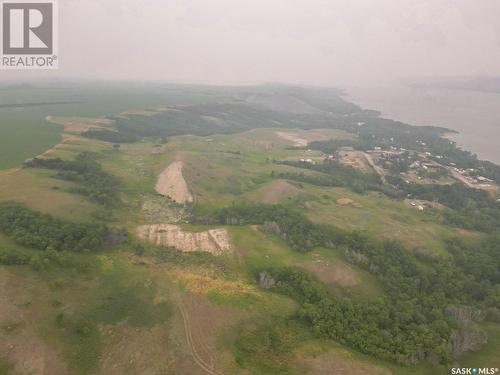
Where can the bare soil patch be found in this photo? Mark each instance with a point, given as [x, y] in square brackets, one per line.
[348, 202]
[216, 121]
[136, 351]
[80, 124]
[146, 112]
[301, 138]
[30, 355]
[376, 168]
[171, 183]
[422, 204]
[138, 112]
[66, 139]
[215, 241]
[7, 172]
[263, 145]
[276, 191]
[19, 341]
[159, 149]
[293, 137]
[412, 176]
[355, 159]
[330, 272]
[204, 323]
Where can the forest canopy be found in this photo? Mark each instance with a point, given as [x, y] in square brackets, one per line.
[40, 231]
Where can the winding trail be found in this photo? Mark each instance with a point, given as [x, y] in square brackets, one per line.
[189, 337]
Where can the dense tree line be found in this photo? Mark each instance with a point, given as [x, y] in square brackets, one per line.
[40, 231]
[323, 180]
[40, 261]
[410, 321]
[90, 178]
[385, 331]
[481, 258]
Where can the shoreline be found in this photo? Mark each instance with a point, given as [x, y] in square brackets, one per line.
[474, 116]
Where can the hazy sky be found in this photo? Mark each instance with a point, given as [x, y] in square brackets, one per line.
[325, 42]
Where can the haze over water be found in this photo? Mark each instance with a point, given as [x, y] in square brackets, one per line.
[475, 115]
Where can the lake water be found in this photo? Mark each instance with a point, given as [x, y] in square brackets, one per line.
[475, 115]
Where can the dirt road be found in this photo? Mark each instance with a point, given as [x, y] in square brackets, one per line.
[377, 169]
[189, 338]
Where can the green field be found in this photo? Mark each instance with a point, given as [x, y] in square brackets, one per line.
[24, 133]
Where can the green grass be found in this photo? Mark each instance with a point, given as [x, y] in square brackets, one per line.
[363, 285]
[240, 300]
[380, 216]
[75, 305]
[39, 190]
[114, 300]
[5, 367]
[267, 347]
[119, 299]
[117, 294]
[84, 344]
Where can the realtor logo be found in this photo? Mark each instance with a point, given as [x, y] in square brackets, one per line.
[29, 34]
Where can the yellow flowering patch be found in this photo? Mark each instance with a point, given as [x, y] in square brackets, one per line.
[202, 284]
